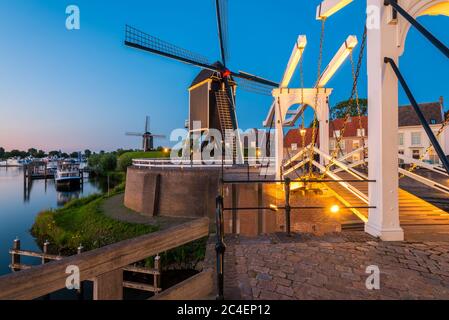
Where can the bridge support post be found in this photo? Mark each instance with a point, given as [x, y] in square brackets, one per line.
[109, 286]
[323, 117]
[279, 139]
[383, 221]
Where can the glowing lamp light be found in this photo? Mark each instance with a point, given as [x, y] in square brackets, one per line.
[296, 185]
[259, 153]
[298, 50]
[303, 132]
[329, 7]
[166, 150]
[274, 207]
[335, 64]
[335, 209]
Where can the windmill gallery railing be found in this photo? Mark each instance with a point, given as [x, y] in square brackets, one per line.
[104, 266]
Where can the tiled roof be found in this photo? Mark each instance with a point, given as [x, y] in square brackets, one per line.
[432, 112]
[407, 117]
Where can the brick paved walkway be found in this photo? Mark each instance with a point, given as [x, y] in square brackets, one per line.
[334, 267]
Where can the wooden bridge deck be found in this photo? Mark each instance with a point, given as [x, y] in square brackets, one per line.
[413, 211]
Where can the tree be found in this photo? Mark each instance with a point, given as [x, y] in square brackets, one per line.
[87, 153]
[101, 164]
[2, 153]
[340, 110]
[32, 152]
[74, 155]
[41, 154]
[53, 153]
[17, 153]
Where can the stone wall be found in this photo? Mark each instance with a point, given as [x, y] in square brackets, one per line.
[192, 193]
[172, 192]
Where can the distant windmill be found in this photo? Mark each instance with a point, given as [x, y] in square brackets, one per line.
[147, 136]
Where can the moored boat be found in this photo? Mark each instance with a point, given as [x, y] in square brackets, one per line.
[68, 173]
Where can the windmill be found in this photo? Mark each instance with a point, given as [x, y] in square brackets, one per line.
[221, 114]
[147, 136]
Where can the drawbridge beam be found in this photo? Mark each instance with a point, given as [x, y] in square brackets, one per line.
[419, 163]
[425, 181]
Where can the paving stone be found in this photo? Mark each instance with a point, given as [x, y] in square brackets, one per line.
[264, 276]
[333, 267]
[284, 290]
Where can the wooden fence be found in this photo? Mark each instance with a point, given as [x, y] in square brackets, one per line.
[103, 266]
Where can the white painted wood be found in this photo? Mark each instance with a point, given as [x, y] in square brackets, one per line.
[432, 167]
[383, 221]
[427, 182]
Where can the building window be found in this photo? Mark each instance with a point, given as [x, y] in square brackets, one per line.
[294, 146]
[360, 132]
[416, 154]
[337, 134]
[433, 157]
[355, 144]
[433, 121]
[332, 145]
[416, 138]
[401, 161]
[401, 139]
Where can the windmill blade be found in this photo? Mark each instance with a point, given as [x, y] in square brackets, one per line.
[255, 87]
[147, 125]
[159, 136]
[222, 21]
[140, 40]
[251, 77]
[134, 134]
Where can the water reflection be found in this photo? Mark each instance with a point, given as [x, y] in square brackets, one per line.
[20, 203]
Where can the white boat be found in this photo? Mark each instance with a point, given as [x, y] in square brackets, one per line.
[17, 162]
[68, 172]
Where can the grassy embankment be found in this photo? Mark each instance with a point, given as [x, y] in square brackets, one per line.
[83, 222]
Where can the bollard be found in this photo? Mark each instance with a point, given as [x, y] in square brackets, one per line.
[157, 276]
[15, 258]
[80, 291]
[45, 251]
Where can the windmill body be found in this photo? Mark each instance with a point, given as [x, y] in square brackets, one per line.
[209, 105]
[212, 93]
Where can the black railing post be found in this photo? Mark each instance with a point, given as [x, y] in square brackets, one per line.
[220, 248]
[437, 43]
[287, 206]
[422, 119]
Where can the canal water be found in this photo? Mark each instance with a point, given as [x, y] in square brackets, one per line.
[18, 209]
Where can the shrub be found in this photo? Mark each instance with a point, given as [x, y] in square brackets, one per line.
[101, 164]
[126, 159]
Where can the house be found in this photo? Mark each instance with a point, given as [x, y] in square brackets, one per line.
[412, 139]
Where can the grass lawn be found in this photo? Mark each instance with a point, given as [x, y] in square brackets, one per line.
[83, 222]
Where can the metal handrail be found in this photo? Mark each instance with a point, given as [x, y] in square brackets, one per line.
[220, 247]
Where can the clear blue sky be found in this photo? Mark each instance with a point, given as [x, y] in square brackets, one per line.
[73, 90]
